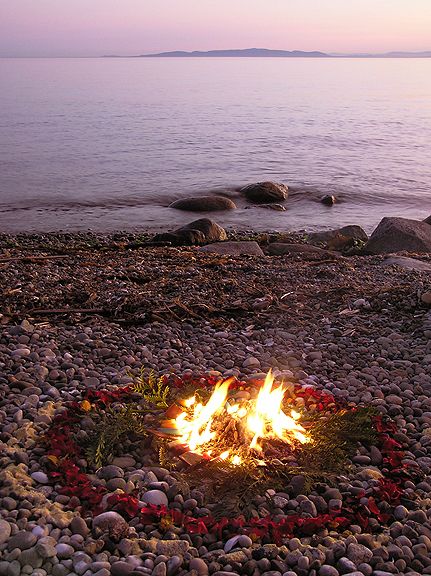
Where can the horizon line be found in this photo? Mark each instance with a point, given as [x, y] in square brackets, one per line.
[190, 53]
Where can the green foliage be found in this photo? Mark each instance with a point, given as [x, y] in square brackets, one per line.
[152, 388]
[111, 428]
[335, 438]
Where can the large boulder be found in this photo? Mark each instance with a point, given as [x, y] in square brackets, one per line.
[428, 220]
[264, 192]
[197, 232]
[203, 204]
[234, 248]
[339, 238]
[399, 235]
[211, 230]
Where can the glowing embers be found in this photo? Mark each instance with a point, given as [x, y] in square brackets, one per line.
[234, 429]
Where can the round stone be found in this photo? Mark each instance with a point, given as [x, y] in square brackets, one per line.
[40, 477]
[155, 497]
[64, 551]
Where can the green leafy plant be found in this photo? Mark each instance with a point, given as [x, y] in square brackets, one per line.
[152, 388]
[112, 426]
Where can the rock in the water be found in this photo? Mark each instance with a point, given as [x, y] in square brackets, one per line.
[263, 192]
[280, 249]
[155, 497]
[111, 523]
[204, 204]
[398, 235]
[339, 238]
[407, 263]
[328, 200]
[276, 207]
[197, 232]
[234, 248]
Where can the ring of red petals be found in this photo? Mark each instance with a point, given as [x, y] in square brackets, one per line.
[63, 454]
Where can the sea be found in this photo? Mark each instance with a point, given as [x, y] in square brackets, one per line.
[106, 144]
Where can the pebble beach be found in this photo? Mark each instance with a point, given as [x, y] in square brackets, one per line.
[84, 311]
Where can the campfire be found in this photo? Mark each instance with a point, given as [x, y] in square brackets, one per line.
[234, 426]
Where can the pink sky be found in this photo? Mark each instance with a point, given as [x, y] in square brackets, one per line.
[97, 27]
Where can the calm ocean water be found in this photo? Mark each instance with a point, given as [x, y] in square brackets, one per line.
[107, 144]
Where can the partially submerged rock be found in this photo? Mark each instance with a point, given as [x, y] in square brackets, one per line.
[263, 192]
[234, 248]
[328, 200]
[204, 204]
[399, 235]
[339, 238]
[197, 232]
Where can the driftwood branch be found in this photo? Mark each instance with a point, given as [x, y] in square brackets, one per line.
[42, 312]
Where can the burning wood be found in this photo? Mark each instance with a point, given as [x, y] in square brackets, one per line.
[237, 429]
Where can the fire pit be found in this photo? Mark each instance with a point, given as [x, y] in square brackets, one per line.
[236, 426]
[231, 442]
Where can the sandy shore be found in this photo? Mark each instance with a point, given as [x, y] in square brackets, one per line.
[81, 311]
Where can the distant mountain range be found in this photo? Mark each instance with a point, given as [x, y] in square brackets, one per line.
[247, 53]
[265, 53]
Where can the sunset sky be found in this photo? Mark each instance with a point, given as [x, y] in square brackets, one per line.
[97, 27]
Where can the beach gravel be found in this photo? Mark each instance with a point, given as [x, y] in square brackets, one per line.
[85, 320]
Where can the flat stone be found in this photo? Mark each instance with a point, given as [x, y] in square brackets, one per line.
[203, 204]
[121, 569]
[124, 462]
[5, 531]
[250, 248]
[22, 540]
[407, 263]
[286, 249]
[172, 547]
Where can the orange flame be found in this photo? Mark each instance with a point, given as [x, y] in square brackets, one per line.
[263, 418]
[267, 419]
